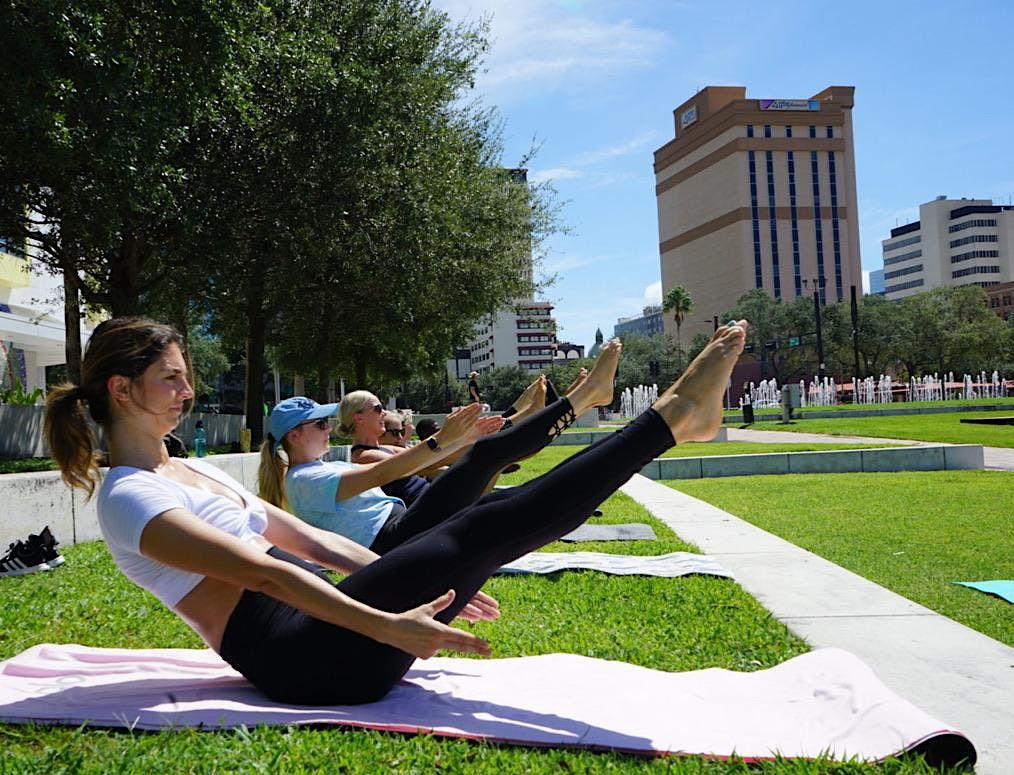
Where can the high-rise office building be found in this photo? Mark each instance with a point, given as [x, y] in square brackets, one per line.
[758, 193]
[954, 242]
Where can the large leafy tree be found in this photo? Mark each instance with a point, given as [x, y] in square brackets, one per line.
[100, 100]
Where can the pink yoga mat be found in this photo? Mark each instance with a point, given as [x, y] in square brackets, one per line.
[823, 702]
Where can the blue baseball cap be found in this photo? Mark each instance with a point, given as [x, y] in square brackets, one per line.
[293, 411]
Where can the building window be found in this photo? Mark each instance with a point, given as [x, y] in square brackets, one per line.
[835, 235]
[980, 222]
[976, 270]
[757, 271]
[749, 130]
[830, 131]
[772, 220]
[955, 243]
[974, 254]
[818, 226]
[767, 130]
[903, 257]
[902, 272]
[905, 243]
[794, 217]
[904, 286]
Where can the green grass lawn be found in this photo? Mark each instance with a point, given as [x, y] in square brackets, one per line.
[913, 532]
[668, 624]
[918, 427]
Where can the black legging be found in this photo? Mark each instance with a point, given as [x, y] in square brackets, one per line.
[464, 482]
[292, 657]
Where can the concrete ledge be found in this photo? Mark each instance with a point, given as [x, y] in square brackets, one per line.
[677, 468]
[32, 501]
[940, 457]
[742, 465]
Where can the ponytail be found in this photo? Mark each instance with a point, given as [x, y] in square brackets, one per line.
[271, 475]
[70, 437]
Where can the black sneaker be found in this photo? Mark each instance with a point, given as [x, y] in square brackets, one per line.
[23, 559]
[47, 542]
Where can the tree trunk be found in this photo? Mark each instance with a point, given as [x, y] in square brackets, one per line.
[256, 335]
[124, 272]
[72, 321]
[360, 365]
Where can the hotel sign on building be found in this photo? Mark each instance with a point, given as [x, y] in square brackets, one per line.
[789, 104]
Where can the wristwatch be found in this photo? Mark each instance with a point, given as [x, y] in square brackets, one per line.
[431, 442]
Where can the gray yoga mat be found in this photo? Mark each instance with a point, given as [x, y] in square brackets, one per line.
[666, 565]
[629, 531]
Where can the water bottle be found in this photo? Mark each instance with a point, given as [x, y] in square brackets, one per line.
[200, 439]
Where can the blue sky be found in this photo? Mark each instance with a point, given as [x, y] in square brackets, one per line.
[595, 83]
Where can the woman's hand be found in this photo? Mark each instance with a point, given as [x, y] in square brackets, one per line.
[481, 607]
[458, 426]
[419, 634]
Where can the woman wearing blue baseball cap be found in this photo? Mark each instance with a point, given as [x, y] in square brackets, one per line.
[241, 571]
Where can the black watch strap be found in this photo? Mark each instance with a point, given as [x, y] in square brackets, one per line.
[432, 444]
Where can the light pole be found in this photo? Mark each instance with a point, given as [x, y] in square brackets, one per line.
[818, 284]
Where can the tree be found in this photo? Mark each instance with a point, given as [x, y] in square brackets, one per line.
[94, 153]
[680, 303]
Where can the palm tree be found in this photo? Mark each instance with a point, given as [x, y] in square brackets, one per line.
[680, 303]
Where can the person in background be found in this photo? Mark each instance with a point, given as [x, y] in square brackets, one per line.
[473, 388]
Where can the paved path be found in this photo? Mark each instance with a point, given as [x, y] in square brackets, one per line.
[996, 458]
[952, 672]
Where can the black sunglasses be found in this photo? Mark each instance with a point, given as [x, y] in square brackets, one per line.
[395, 432]
[377, 408]
[323, 423]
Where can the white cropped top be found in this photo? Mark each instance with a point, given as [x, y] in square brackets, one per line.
[130, 498]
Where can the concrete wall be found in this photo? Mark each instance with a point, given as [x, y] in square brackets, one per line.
[940, 457]
[32, 501]
[21, 430]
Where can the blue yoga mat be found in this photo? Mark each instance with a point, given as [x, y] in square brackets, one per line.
[1001, 588]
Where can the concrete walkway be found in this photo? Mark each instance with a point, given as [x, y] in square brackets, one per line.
[952, 672]
[996, 458]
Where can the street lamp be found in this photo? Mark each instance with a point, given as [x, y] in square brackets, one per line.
[818, 285]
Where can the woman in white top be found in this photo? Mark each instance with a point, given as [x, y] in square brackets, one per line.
[241, 572]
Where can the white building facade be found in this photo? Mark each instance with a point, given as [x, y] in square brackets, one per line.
[954, 242]
[523, 335]
[31, 319]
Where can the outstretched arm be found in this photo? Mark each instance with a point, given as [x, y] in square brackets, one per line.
[345, 556]
[461, 428]
[181, 540]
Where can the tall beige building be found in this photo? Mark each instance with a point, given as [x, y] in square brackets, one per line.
[758, 193]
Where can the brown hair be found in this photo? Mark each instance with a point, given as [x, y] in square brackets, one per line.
[271, 473]
[121, 346]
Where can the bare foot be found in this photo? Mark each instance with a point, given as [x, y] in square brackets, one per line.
[532, 395]
[530, 401]
[582, 375]
[597, 387]
[693, 406]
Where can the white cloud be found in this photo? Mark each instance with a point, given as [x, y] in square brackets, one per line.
[554, 173]
[653, 293]
[543, 47]
[620, 149]
[570, 261]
